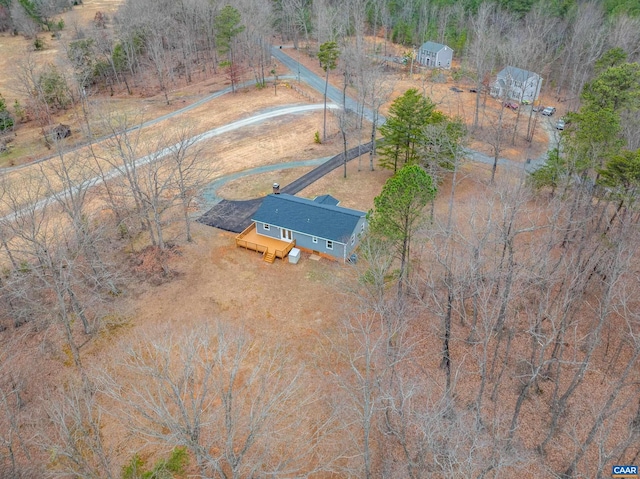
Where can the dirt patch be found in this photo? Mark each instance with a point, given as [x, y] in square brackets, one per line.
[254, 292]
[280, 140]
[152, 264]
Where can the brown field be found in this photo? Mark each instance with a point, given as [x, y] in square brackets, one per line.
[297, 306]
[453, 104]
[15, 47]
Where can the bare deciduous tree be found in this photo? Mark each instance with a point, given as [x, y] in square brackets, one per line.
[15, 453]
[76, 442]
[234, 404]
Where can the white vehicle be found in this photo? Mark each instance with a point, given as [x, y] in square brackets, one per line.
[548, 111]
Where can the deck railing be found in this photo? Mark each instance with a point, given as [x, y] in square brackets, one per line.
[249, 244]
[260, 248]
[283, 253]
[252, 246]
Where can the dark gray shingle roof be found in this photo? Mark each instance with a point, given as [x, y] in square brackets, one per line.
[326, 200]
[309, 217]
[432, 46]
[517, 74]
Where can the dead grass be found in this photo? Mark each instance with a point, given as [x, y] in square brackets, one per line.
[282, 139]
[298, 306]
[453, 104]
[256, 186]
[15, 47]
[357, 190]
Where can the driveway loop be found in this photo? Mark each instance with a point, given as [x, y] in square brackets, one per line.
[235, 216]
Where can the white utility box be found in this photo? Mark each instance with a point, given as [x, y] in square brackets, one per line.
[294, 255]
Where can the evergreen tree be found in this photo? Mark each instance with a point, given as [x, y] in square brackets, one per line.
[328, 56]
[404, 130]
[593, 135]
[398, 210]
[6, 120]
[227, 25]
[620, 180]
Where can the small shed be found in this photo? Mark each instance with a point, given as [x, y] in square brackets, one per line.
[435, 55]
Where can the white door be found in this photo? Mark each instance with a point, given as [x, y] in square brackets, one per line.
[286, 234]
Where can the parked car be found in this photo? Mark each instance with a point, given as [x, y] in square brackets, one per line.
[510, 104]
[548, 111]
[560, 124]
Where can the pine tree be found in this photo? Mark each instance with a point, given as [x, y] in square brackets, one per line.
[404, 129]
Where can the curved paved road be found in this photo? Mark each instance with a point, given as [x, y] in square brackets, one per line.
[211, 197]
[318, 83]
[335, 95]
[291, 110]
[235, 216]
[305, 75]
[145, 124]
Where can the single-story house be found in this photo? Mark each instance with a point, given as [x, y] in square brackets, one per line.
[517, 84]
[318, 226]
[435, 55]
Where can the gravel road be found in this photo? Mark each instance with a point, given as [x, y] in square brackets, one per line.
[290, 110]
[335, 95]
[306, 75]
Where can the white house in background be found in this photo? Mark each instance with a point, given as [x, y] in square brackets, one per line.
[517, 84]
[435, 55]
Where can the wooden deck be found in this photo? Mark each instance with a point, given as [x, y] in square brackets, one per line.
[270, 248]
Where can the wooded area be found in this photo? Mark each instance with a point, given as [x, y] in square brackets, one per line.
[496, 339]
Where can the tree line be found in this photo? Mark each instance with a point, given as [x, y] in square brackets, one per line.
[181, 42]
[495, 338]
[478, 342]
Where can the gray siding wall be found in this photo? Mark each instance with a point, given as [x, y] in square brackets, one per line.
[272, 231]
[532, 89]
[358, 233]
[340, 251]
[444, 57]
[515, 91]
[422, 56]
[306, 241]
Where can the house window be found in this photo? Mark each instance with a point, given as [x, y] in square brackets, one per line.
[363, 225]
[353, 240]
[329, 244]
[265, 226]
[314, 239]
